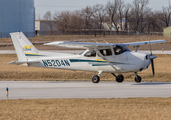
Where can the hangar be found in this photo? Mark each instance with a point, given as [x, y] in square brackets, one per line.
[17, 15]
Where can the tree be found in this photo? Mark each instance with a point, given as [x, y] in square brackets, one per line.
[165, 15]
[67, 21]
[121, 7]
[99, 13]
[48, 19]
[138, 11]
[112, 11]
[62, 21]
[127, 15]
[87, 16]
[153, 24]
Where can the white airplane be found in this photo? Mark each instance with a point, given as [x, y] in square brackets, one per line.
[98, 57]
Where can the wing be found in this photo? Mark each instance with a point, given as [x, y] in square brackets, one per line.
[78, 44]
[144, 42]
[100, 45]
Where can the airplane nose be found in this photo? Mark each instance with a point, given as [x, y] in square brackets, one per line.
[153, 57]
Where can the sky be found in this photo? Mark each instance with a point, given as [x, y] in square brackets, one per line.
[42, 6]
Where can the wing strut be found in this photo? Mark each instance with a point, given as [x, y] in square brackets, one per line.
[105, 59]
[138, 46]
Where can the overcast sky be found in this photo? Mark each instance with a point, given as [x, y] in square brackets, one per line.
[42, 6]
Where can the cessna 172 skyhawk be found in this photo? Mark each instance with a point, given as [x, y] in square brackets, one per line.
[98, 57]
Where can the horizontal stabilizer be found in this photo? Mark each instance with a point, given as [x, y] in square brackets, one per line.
[22, 62]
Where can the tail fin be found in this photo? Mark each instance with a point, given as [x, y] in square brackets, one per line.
[23, 46]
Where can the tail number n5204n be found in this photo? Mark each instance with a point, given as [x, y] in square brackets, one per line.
[55, 63]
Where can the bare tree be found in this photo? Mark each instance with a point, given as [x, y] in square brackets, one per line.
[67, 21]
[127, 16]
[99, 13]
[112, 8]
[62, 21]
[121, 7]
[165, 16]
[139, 10]
[48, 19]
[87, 16]
[153, 23]
[76, 22]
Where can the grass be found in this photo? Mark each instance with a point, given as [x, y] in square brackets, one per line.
[19, 72]
[87, 109]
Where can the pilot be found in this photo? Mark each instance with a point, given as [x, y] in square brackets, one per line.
[115, 51]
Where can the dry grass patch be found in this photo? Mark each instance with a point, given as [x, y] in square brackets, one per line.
[87, 109]
[19, 72]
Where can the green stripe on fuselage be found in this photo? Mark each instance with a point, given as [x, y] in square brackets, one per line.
[95, 62]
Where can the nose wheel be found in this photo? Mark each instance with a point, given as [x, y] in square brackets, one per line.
[137, 78]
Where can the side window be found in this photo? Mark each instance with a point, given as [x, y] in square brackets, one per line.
[106, 52]
[117, 51]
[90, 54]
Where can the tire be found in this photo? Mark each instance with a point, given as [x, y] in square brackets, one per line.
[137, 79]
[120, 78]
[95, 79]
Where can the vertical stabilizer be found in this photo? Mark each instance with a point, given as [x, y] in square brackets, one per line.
[22, 46]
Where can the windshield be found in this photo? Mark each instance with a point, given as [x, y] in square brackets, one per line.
[119, 49]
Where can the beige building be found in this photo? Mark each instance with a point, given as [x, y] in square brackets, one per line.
[167, 32]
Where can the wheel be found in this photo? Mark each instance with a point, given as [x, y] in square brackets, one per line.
[120, 78]
[95, 79]
[137, 79]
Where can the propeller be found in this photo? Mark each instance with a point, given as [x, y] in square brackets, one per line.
[151, 59]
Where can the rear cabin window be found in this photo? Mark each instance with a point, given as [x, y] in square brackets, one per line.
[90, 54]
[106, 52]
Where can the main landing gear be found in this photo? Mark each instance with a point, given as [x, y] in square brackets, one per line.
[119, 78]
[96, 78]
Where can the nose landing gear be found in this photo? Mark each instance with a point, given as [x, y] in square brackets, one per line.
[137, 78]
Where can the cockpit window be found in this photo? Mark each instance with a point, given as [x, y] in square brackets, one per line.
[120, 49]
[90, 54]
[106, 52]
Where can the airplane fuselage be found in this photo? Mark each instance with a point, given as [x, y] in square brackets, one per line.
[126, 62]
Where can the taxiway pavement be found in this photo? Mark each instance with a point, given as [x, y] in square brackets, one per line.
[83, 89]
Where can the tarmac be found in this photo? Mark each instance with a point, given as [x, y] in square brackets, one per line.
[83, 89]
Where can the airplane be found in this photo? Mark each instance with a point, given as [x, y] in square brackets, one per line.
[97, 57]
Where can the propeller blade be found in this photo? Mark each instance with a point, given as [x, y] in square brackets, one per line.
[152, 66]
